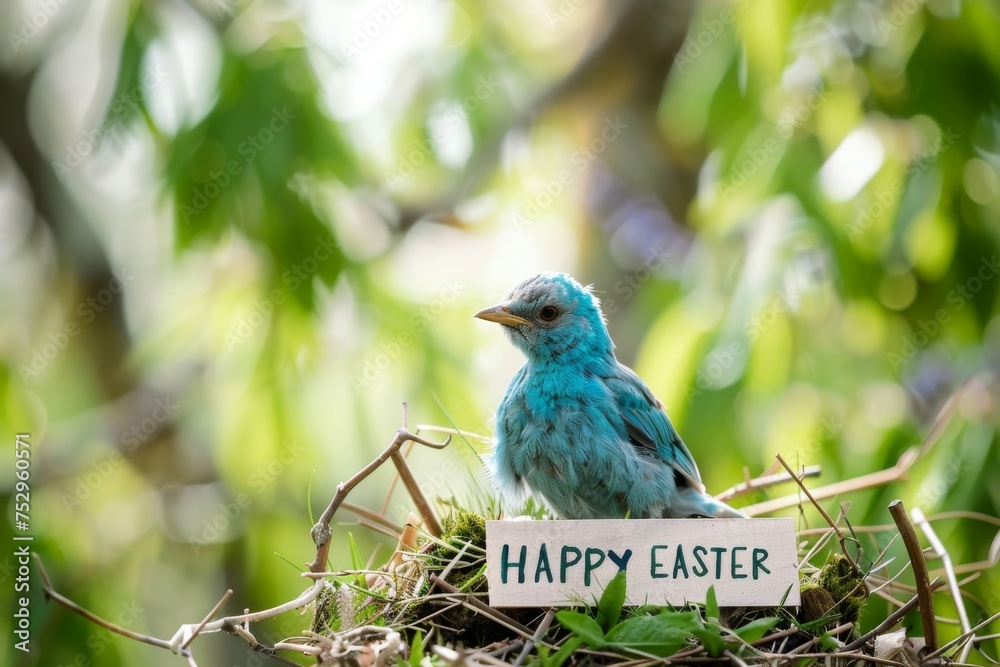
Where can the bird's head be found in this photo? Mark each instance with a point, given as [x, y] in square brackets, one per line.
[553, 318]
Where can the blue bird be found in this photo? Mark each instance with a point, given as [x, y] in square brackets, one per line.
[581, 431]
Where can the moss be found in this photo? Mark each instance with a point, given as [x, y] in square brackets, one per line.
[465, 525]
[816, 602]
[460, 625]
[844, 584]
[459, 529]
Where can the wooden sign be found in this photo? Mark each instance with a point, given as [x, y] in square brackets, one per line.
[751, 562]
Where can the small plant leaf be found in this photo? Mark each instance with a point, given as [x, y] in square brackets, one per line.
[711, 605]
[711, 640]
[660, 635]
[357, 562]
[609, 608]
[417, 649]
[756, 629]
[828, 643]
[582, 626]
[563, 654]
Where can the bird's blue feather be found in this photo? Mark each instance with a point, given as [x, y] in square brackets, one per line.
[581, 430]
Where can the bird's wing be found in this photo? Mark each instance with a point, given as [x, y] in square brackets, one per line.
[648, 426]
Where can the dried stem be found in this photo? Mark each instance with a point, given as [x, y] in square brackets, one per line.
[410, 482]
[479, 605]
[373, 516]
[829, 519]
[733, 658]
[924, 592]
[890, 621]
[321, 532]
[763, 482]
[938, 547]
[812, 642]
[962, 638]
[52, 594]
[208, 617]
[543, 627]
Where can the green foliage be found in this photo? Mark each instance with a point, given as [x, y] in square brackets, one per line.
[583, 626]
[416, 649]
[661, 635]
[653, 630]
[609, 607]
[564, 653]
[777, 291]
[711, 604]
[754, 630]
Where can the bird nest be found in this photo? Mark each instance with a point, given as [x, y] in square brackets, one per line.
[428, 600]
[433, 592]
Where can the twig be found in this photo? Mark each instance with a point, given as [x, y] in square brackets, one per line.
[208, 617]
[485, 609]
[976, 568]
[415, 625]
[829, 519]
[453, 431]
[924, 592]
[395, 478]
[964, 636]
[451, 565]
[819, 544]
[378, 528]
[543, 627]
[181, 640]
[373, 516]
[763, 482]
[409, 448]
[51, 594]
[886, 527]
[410, 482]
[321, 532]
[938, 547]
[843, 656]
[466, 658]
[231, 623]
[893, 601]
[965, 514]
[890, 621]
[802, 648]
[868, 481]
[733, 658]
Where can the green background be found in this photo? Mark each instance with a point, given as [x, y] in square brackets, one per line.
[237, 235]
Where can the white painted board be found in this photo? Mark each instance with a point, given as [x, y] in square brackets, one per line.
[751, 562]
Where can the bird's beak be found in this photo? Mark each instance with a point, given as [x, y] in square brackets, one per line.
[501, 313]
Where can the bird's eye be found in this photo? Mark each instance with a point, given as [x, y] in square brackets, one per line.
[548, 313]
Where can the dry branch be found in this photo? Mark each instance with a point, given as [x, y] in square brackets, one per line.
[924, 592]
[321, 532]
[829, 520]
[52, 594]
[763, 482]
[945, 557]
